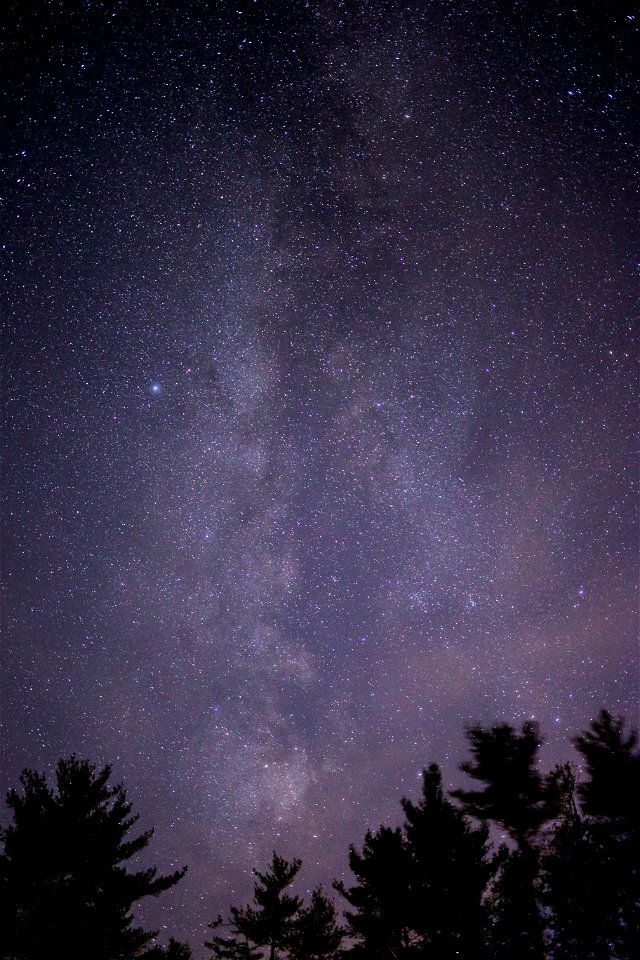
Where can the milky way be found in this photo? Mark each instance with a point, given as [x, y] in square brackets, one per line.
[319, 406]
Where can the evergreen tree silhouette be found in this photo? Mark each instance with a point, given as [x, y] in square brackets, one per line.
[514, 797]
[381, 899]
[316, 933]
[612, 788]
[514, 794]
[268, 922]
[175, 951]
[65, 891]
[234, 946]
[573, 894]
[610, 799]
[450, 869]
[565, 885]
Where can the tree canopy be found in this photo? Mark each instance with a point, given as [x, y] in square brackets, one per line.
[278, 921]
[65, 888]
[564, 883]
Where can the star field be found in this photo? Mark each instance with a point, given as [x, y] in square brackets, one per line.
[319, 396]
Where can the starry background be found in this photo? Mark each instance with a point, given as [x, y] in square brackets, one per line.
[319, 405]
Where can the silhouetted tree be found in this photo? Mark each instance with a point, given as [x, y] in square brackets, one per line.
[175, 951]
[514, 791]
[381, 916]
[269, 921]
[612, 788]
[610, 799]
[514, 797]
[564, 886]
[450, 868]
[234, 946]
[316, 934]
[572, 888]
[516, 927]
[65, 891]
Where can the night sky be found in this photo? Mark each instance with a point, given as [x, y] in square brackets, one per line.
[319, 397]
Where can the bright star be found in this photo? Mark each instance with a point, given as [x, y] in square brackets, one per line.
[155, 388]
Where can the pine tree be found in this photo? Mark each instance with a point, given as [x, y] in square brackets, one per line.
[612, 788]
[381, 916]
[514, 792]
[450, 869]
[64, 889]
[610, 799]
[316, 933]
[268, 922]
[571, 879]
[234, 946]
[514, 797]
[175, 951]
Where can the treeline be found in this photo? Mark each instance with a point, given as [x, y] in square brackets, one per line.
[520, 866]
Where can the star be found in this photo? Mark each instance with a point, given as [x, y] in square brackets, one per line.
[361, 470]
